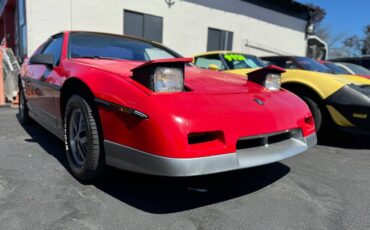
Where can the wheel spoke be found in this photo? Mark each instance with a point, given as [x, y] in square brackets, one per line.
[76, 124]
[83, 148]
[78, 137]
[83, 139]
[80, 152]
[80, 123]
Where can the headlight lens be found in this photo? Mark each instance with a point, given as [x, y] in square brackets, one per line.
[168, 79]
[273, 81]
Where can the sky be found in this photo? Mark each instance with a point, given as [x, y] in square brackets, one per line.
[349, 16]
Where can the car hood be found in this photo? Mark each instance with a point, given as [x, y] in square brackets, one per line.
[344, 79]
[196, 79]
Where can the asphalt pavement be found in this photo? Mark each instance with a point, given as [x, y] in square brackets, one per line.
[327, 187]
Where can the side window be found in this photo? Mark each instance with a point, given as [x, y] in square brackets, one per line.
[205, 61]
[54, 47]
[290, 64]
[366, 63]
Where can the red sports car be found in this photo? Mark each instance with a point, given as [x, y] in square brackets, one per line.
[139, 106]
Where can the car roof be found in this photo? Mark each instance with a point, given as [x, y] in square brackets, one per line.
[110, 34]
[277, 57]
[213, 52]
[365, 57]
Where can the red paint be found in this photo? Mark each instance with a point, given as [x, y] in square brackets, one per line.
[218, 102]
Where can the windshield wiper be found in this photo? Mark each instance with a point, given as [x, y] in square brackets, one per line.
[98, 57]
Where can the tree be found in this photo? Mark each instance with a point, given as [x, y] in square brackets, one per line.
[356, 45]
[317, 14]
[366, 42]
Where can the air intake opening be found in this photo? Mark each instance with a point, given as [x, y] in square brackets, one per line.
[202, 137]
[279, 138]
[260, 141]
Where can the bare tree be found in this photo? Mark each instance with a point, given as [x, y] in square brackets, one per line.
[317, 14]
[356, 46]
[366, 42]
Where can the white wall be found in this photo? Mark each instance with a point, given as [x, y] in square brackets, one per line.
[185, 25]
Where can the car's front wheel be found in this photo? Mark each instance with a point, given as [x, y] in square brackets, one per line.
[82, 140]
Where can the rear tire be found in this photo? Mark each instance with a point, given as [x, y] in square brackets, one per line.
[23, 115]
[85, 153]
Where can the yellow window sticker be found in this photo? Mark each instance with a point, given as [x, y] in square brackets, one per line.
[234, 57]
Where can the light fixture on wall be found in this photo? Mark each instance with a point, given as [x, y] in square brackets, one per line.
[310, 28]
[170, 2]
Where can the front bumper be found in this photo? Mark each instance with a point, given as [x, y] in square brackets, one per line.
[130, 159]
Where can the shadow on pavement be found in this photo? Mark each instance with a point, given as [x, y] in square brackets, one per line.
[155, 194]
[161, 195]
[341, 139]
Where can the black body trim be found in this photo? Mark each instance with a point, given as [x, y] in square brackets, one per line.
[353, 102]
[120, 108]
[53, 86]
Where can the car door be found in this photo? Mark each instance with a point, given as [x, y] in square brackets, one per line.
[42, 84]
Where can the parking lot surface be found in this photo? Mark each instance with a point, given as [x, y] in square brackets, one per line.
[327, 187]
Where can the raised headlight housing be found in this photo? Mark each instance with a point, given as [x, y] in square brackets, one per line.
[268, 77]
[165, 75]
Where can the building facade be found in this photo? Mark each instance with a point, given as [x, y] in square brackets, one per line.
[269, 27]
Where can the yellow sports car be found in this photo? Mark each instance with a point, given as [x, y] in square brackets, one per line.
[343, 99]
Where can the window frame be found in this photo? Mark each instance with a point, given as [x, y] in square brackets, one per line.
[48, 42]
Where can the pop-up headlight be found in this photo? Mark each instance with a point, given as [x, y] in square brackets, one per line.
[269, 77]
[164, 75]
[167, 79]
[273, 81]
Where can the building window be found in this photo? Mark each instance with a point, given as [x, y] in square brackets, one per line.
[143, 25]
[219, 40]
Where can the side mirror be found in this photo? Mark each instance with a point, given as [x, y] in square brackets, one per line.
[42, 59]
[212, 67]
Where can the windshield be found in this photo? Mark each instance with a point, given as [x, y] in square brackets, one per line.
[94, 45]
[311, 65]
[242, 61]
[357, 69]
[336, 69]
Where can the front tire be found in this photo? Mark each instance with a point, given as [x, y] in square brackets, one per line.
[320, 114]
[83, 143]
[316, 112]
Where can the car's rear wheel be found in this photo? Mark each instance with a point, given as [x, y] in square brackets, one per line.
[23, 115]
[82, 140]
